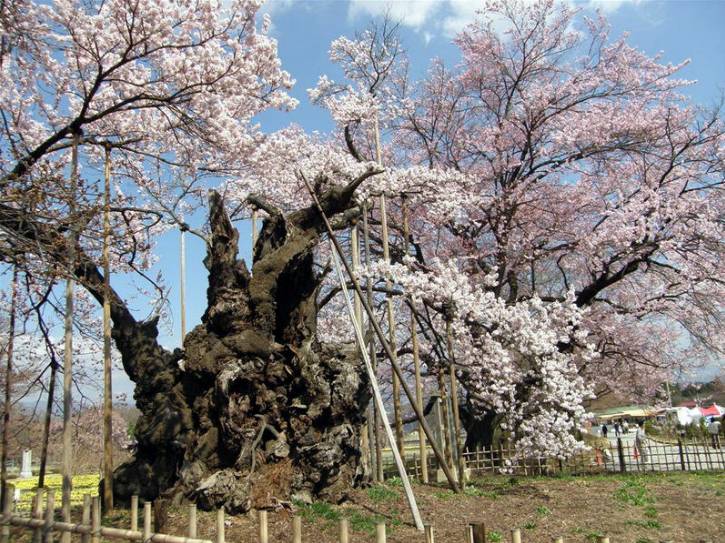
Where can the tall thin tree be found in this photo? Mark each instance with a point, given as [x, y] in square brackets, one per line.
[8, 387]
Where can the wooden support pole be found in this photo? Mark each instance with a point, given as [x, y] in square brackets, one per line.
[516, 536]
[107, 365]
[7, 403]
[392, 340]
[443, 394]
[457, 441]
[376, 390]
[146, 521]
[67, 466]
[49, 517]
[559, 540]
[478, 533]
[422, 448]
[182, 282]
[378, 475]
[620, 452]
[386, 347]
[86, 516]
[344, 530]
[220, 526]
[429, 536]
[134, 512]
[95, 520]
[192, 520]
[603, 539]
[380, 536]
[37, 513]
[296, 529]
[263, 527]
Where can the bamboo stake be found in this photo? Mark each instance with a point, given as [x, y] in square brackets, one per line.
[49, 512]
[220, 525]
[429, 536]
[344, 530]
[443, 393]
[376, 391]
[297, 529]
[263, 527]
[86, 516]
[423, 450]
[192, 520]
[107, 368]
[378, 476]
[516, 536]
[380, 533]
[95, 521]
[37, 506]
[458, 447]
[146, 521]
[67, 470]
[134, 512]
[383, 342]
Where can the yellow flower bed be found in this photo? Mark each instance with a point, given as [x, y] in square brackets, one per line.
[82, 484]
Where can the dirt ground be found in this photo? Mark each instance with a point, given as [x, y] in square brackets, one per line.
[650, 508]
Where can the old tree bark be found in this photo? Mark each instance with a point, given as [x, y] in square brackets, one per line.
[253, 407]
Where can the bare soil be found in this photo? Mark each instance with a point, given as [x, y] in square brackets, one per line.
[652, 508]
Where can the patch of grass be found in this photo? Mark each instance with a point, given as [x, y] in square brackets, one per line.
[495, 537]
[530, 525]
[318, 511]
[644, 540]
[593, 535]
[472, 490]
[649, 524]
[395, 481]
[633, 492]
[360, 522]
[382, 493]
[650, 512]
[543, 511]
[444, 495]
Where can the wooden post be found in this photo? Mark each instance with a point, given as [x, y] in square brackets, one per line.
[182, 281]
[146, 521]
[620, 452]
[107, 367]
[479, 532]
[516, 536]
[344, 530]
[263, 527]
[443, 394]
[67, 467]
[297, 529]
[429, 536]
[603, 539]
[86, 516]
[95, 520]
[220, 525]
[37, 508]
[192, 520]
[559, 540]
[49, 514]
[4, 496]
[134, 513]
[7, 512]
[380, 533]
[378, 475]
[458, 447]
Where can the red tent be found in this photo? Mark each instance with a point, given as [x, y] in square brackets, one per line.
[713, 411]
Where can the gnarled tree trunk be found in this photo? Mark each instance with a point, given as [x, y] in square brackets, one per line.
[254, 407]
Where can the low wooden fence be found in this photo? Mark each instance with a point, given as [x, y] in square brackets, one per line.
[622, 456]
[43, 526]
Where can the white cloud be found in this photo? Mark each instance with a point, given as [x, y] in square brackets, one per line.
[413, 13]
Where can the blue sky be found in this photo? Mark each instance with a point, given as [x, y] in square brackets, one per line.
[305, 28]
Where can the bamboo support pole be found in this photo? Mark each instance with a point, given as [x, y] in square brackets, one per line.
[429, 536]
[376, 390]
[386, 347]
[107, 366]
[182, 282]
[192, 520]
[86, 516]
[67, 467]
[516, 536]
[263, 527]
[37, 514]
[134, 513]
[458, 446]
[478, 533]
[559, 540]
[422, 448]
[443, 394]
[296, 529]
[378, 475]
[220, 526]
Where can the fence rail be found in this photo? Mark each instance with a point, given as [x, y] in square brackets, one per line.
[43, 526]
[622, 456]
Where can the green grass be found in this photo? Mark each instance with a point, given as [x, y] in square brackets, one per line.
[530, 525]
[382, 493]
[593, 535]
[330, 515]
[650, 524]
[543, 511]
[495, 537]
[633, 492]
